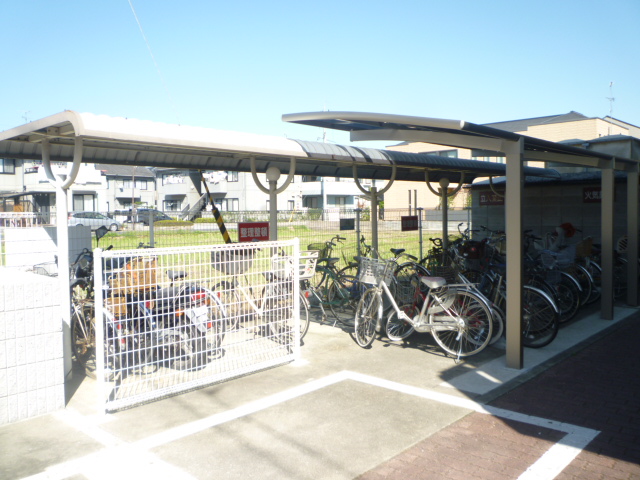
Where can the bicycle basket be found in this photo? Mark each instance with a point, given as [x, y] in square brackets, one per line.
[321, 248]
[548, 259]
[372, 270]
[232, 262]
[448, 273]
[566, 256]
[585, 247]
[283, 266]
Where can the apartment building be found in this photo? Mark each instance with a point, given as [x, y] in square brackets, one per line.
[568, 127]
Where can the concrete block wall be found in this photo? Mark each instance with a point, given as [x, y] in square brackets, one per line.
[26, 247]
[31, 346]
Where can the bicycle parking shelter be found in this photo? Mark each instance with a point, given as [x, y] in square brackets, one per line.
[87, 138]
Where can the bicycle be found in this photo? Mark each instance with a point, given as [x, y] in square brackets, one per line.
[459, 320]
[271, 308]
[324, 253]
[340, 293]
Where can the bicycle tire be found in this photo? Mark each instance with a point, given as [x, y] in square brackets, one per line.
[368, 314]
[227, 294]
[584, 279]
[304, 315]
[465, 327]
[319, 277]
[83, 337]
[498, 324]
[342, 296]
[540, 318]
[398, 329]
[567, 295]
[218, 321]
[349, 270]
[596, 275]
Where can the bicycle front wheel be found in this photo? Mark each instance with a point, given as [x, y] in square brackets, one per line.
[465, 326]
[368, 313]
[397, 328]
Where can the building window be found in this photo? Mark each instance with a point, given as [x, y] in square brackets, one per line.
[7, 166]
[444, 153]
[232, 176]
[311, 202]
[84, 202]
[141, 184]
[172, 205]
[227, 204]
[291, 204]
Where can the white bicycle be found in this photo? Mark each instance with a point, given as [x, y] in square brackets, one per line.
[458, 319]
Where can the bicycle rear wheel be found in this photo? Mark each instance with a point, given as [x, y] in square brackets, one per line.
[304, 316]
[83, 337]
[464, 328]
[368, 313]
[540, 318]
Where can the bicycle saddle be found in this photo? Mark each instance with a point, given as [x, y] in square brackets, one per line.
[397, 251]
[176, 274]
[433, 282]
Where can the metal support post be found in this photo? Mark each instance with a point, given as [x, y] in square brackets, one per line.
[633, 188]
[444, 185]
[273, 174]
[374, 220]
[152, 229]
[62, 185]
[513, 212]
[607, 215]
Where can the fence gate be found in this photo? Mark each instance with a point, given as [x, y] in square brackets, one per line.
[174, 319]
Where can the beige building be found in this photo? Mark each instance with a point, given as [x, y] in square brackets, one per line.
[555, 128]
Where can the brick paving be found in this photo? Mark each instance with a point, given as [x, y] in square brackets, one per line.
[597, 387]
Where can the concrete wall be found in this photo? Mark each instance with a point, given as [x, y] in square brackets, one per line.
[31, 352]
[26, 247]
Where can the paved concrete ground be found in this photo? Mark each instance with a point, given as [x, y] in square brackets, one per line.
[393, 411]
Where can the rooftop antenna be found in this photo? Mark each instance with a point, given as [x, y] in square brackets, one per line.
[611, 99]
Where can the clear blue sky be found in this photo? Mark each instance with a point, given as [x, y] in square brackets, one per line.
[239, 65]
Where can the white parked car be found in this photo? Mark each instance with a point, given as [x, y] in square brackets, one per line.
[93, 220]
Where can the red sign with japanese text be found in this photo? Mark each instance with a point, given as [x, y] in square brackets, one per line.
[253, 231]
[592, 195]
[409, 222]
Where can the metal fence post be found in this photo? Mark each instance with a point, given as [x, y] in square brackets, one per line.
[151, 229]
[419, 210]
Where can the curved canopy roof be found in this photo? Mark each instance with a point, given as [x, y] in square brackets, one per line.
[455, 133]
[123, 141]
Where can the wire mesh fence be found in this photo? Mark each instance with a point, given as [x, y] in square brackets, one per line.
[311, 227]
[178, 318]
[27, 242]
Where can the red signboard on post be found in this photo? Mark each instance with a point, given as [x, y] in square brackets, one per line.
[409, 222]
[253, 231]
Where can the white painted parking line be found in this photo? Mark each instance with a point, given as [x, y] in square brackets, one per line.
[139, 457]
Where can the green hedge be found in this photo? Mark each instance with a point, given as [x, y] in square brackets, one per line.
[172, 223]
